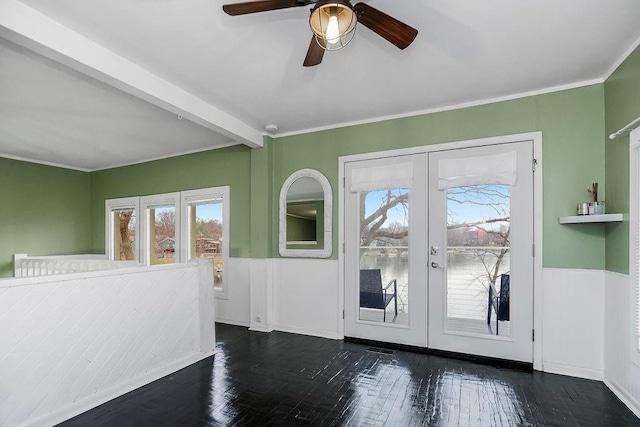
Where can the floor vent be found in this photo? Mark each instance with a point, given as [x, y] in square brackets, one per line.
[380, 350]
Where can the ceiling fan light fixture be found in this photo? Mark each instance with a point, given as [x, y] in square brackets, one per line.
[333, 23]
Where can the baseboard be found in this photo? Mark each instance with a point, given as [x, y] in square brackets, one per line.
[310, 332]
[573, 371]
[99, 398]
[259, 327]
[623, 395]
[232, 322]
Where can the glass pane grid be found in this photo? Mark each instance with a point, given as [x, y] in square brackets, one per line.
[162, 235]
[384, 256]
[478, 262]
[124, 232]
[205, 235]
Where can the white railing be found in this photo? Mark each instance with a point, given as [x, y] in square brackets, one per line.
[33, 266]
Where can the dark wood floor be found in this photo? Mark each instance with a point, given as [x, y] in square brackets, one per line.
[286, 379]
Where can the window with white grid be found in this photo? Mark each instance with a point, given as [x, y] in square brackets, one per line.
[172, 227]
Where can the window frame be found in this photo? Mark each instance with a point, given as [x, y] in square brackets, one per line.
[180, 201]
[152, 201]
[634, 240]
[120, 204]
[203, 195]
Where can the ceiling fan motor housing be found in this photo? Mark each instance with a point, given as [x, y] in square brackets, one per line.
[333, 23]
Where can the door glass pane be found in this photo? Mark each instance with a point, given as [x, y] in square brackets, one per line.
[384, 256]
[124, 234]
[162, 234]
[478, 264]
[205, 234]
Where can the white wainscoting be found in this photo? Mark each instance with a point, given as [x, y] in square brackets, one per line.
[573, 322]
[621, 375]
[306, 296]
[585, 320]
[235, 308]
[261, 304]
[71, 342]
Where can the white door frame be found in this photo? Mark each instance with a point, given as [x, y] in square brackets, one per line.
[536, 137]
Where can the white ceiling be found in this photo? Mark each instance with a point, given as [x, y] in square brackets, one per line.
[51, 114]
[250, 66]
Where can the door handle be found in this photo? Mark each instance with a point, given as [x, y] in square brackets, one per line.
[435, 265]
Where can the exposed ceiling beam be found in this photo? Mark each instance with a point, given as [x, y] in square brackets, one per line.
[39, 33]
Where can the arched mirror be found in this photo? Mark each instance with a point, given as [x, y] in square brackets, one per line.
[305, 215]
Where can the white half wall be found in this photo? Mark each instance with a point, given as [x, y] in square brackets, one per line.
[621, 374]
[71, 342]
[235, 309]
[306, 296]
[573, 322]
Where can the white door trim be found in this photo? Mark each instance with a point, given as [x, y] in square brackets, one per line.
[536, 137]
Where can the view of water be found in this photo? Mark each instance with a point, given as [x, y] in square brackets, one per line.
[477, 239]
[467, 290]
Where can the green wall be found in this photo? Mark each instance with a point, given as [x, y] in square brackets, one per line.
[572, 123]
[262, 201]
[44, 210]
[622, 106]
[227, 166]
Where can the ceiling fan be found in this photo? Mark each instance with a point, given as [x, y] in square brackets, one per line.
[333, 23]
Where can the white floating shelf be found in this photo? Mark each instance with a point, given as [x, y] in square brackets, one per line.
[578, 219]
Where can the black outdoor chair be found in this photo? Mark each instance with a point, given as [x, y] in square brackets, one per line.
[499, 301]
[373, 295]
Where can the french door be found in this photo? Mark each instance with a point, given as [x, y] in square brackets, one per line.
[438, 250]
[481, 251]
[386, 227]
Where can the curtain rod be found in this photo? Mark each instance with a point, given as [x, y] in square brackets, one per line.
[624, 129]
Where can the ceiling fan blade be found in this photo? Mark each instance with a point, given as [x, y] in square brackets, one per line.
[394, 31]
[234, 9]
[314, 54]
